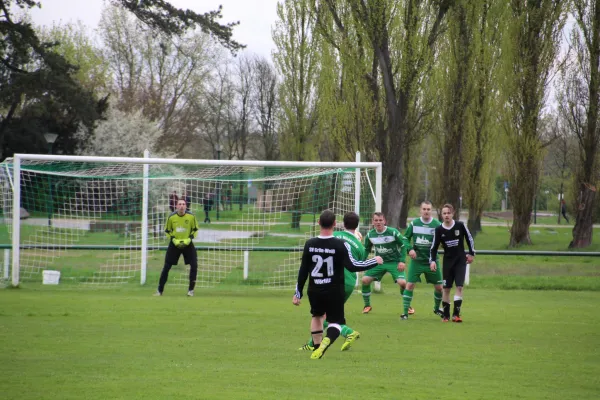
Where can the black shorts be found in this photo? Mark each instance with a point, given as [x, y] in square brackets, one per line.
[330, 302]
[189, 254]
[454, 271]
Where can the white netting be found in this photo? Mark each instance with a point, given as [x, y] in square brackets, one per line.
[72, 209]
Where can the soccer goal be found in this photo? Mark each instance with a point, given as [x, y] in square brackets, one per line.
[100, 220]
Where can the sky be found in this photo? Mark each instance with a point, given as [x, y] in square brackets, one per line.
[256, 17]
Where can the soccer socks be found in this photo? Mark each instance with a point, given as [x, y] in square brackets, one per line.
[407, 298]
[366, 294]
[346, 330]
[457, 305]
[311, 342]
[446, 309]
[437, 299]
[333, 332]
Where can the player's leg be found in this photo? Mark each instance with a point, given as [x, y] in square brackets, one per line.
[350, 334]
[190, 256]
[367, 279]
[317, 310]
[412, 277]
[435, 278]
[448, 274]
[400, 279]
[171, 258]
[334, 305]
[461, 270]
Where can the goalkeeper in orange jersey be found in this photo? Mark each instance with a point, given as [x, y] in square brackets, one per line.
[181, 228]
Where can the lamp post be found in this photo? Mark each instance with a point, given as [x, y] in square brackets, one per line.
[50, 139]
[219, 149]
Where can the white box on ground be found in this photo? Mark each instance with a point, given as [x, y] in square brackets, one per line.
[50, 277]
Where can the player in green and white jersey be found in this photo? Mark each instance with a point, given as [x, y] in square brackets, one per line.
[388, 243]
[349, 235]
[420, 231]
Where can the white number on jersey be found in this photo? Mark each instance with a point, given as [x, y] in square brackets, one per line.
[316, 272]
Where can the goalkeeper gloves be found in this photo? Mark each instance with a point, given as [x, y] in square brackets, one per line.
[186, 242]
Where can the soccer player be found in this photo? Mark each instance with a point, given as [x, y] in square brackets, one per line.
[181, 228]
[391, 246]
[451, 235]
[350, 236]
[420, 231]
[323, 261]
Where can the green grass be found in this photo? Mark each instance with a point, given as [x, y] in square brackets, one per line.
[125, 344]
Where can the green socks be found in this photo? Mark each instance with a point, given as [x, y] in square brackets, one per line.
[366, 294]
[437, 299]
[407, 298]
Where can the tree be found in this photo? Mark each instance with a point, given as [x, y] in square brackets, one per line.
[530, 47]
[485, 137]
[38, 89]
[266, 107]
[162, 76]
[297, 59]
[579, 104]
[457, 94]
[401, 36]
[122, 134]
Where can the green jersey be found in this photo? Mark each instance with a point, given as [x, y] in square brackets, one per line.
[181, 227]
[389, 244]
[421, 234]
[358, 253]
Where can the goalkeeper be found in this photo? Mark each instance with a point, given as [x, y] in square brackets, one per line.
[349, 235]
[181, 229]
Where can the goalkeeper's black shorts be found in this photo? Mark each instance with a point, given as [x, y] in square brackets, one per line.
[189, 254]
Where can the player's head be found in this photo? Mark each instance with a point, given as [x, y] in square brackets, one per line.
[378, 220]
[426, 210]
[327, 219]
[181, 206]
[351, 220]
[447, 212]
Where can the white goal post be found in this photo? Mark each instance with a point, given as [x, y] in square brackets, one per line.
[116, 205]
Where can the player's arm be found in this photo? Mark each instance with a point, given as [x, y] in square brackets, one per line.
[404, 244]
[368, 244]
[354, 265]
[470, 243]
[303, 272]
[194, 227]
[169, 228]
[433, 251]
[408, 234]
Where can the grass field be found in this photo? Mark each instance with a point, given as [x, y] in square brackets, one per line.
[125, 344]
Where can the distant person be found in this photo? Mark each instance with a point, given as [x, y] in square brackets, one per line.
[563, 209]
[173, 201]
[188, 201]
[207, 205]
[229, 197]
[181, 228]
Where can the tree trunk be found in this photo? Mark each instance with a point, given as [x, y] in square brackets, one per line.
[583, 229]
[474, 221]
[394, 196]
[522, 195]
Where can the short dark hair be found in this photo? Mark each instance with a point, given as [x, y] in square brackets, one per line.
[327, 219]
[378, 214]
[351, 220]
[182, 199]
[426, 202]
[448, 205]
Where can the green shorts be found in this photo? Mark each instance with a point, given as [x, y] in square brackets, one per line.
[379, 271]
[416, 268]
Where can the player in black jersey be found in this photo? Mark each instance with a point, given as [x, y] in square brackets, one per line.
[452, 235]
[323, 262]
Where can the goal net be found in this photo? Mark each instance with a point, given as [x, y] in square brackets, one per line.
[100, 220]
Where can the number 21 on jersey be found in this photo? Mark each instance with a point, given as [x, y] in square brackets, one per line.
[319, 261]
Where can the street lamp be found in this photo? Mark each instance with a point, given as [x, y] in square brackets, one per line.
[50, 139]
[219, 149]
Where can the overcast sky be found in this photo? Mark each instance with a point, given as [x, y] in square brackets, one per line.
[256, 17]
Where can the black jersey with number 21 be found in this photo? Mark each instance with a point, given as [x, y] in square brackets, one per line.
[323, 261]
